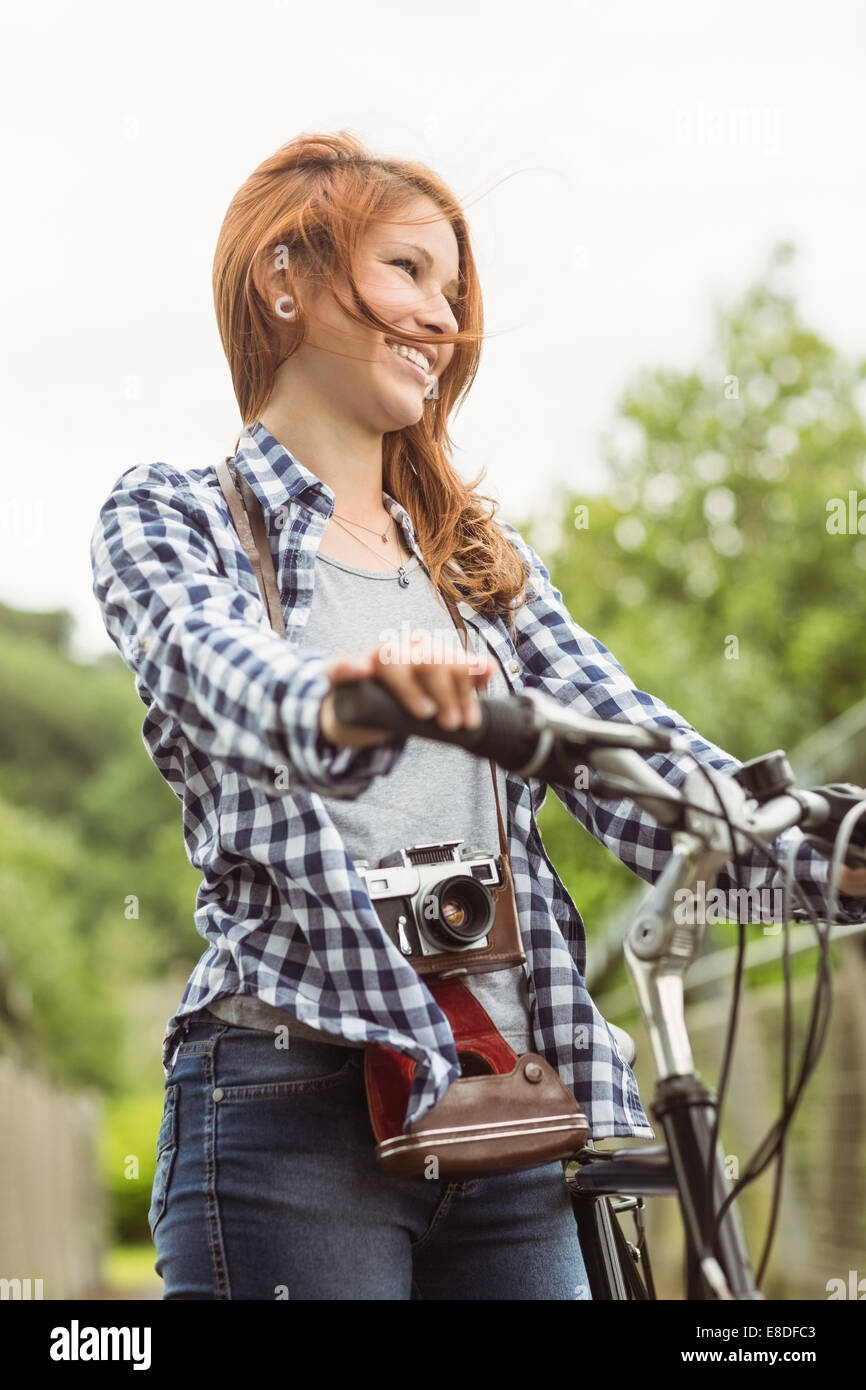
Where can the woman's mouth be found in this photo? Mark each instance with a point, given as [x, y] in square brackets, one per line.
[411, 359]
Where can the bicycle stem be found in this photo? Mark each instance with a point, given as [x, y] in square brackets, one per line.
[659, 950]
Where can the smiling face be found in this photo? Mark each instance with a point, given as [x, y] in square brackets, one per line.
[408, 273]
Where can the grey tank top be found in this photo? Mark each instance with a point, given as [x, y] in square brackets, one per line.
[434, 792]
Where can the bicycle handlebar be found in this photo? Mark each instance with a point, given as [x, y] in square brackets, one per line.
[533, 735]
[506, 732]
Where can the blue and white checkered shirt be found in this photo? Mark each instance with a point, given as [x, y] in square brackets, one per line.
[232, 725]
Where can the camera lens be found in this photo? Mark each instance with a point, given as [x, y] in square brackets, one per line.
[457, 912]
[454, 912]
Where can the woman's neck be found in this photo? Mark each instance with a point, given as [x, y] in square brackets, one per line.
[348, 463]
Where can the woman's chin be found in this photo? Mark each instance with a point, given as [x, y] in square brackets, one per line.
[402, 409]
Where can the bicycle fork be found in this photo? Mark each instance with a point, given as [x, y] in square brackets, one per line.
[658, 951]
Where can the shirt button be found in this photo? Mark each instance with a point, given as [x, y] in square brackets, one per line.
[514, 667]
[218, 1093]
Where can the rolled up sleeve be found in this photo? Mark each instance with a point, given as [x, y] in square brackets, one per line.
[201, 647]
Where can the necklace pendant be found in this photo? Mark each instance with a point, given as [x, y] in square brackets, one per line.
[403, 578]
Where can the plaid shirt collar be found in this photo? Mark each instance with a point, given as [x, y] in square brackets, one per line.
[279, 479]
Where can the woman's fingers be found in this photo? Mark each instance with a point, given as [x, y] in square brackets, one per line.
[852, 881]
[445, 686]
[444, 683]
[453, 688]
[350, 668]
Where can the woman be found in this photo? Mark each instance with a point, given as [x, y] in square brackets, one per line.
[350, 312]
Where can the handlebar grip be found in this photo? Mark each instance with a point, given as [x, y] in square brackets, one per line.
[506, 732]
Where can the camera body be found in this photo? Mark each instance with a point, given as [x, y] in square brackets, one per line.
[435, 899]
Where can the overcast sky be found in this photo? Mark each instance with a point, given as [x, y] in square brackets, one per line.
[651, 155]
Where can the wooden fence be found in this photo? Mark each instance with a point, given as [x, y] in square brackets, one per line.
[53, 1218]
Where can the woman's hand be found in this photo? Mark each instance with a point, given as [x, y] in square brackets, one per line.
[444, 685]
[852, 881]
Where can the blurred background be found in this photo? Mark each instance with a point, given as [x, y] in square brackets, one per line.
[668, 213]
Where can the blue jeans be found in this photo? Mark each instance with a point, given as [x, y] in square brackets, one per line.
[267, 1187]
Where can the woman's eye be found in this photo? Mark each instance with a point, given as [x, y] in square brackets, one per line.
[453, 304]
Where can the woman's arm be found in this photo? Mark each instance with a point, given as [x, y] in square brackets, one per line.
[570, 664]
[200, 645]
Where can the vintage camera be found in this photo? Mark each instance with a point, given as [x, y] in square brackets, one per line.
[435, 899]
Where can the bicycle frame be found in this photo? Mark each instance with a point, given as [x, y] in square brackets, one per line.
[658, 952]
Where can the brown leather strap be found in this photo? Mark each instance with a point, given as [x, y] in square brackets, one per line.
[248, 517]
[459, 623]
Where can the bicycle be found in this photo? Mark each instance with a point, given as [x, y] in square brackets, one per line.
[713, 818]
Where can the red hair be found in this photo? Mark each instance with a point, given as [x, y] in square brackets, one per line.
[315, 196]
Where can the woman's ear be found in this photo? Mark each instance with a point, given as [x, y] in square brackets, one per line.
[275, 285]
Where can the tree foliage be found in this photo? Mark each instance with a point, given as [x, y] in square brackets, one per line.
[713, 565]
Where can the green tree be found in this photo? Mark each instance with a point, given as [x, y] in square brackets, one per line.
[709, 564]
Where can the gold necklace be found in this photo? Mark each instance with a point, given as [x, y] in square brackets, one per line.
[373, 532]
[402, 577]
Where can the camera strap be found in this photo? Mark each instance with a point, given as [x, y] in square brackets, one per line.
[457, 619]
[249, 522]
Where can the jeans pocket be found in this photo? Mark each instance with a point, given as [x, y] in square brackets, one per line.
[166, 1149]
[253, 1066]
